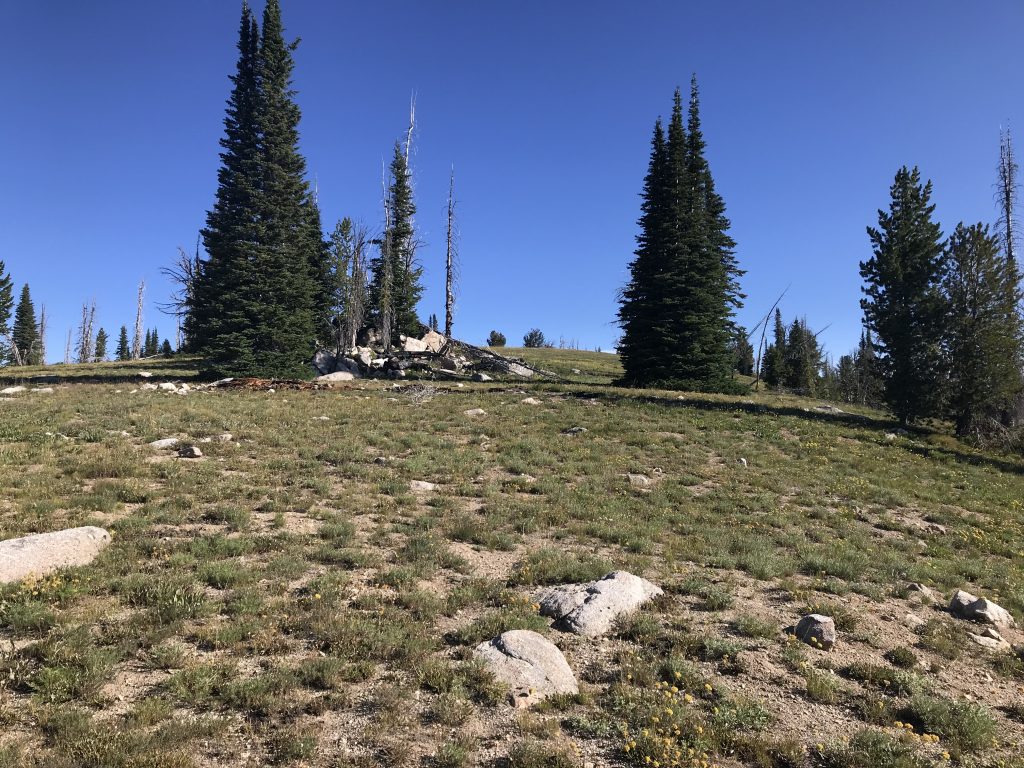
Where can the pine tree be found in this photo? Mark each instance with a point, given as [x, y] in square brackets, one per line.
[903, 305]
[743, 352]
[847, 384]
[257, 299]
[869, 381]
[124, 350]
[676, 311]
[165, 348]
[775, 357]
[25, 335]
[802, 360]
[396, 287]
[984, 335]
[101, 345]
[6, 307]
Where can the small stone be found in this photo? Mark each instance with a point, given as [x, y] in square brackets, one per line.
[913, 621]
[817, 631]
[574, 431]
[189, 452]
[743, 462]
[831, 409]
[530, 401]
[167, 386]
[333, 379]
[12, 390]
[922, 589]
[529, 664]
[475, 412]
[225, 437]
[167, 442]
[576, 371]
[891, 437]
[964, 605]
[147, 387]
[640, 481]
[420, 485]
[43, 390]
[145, 374]
[481, 377]
[995, 644]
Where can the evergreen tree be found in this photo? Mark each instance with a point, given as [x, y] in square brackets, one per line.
[124, 350]
[165, 349]
[676, 310]
[496, 339]
[869, 380]
[984, 335]
[261, 290]
[534, 338]
[775, 356]
[341, 250]
[152, 343]
[396, 287]
[25, 335]
[101, 345]
[6, 307]
[802, 360]
[743, 352]
[903, 305]
[847, 383]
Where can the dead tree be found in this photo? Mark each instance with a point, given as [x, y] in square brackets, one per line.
[387, 304]
[86, 348]
[42, 333]
[1007, 188]
[183, 274]
[67, 349]
[355, 302]
[137, 338]
[451, 276]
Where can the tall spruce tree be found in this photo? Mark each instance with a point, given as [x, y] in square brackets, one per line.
[397, 285]
[984, 334]
[258, 295]
[101, 346]
[870, 387]
[6, 308]
[25, 334]
[124, 350]
[775, 356]
[676, 310]
[903, 304]
[802, 360]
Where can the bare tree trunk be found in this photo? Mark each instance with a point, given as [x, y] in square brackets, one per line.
[387, 307]
[67, 349]
[356, 304]
[137, 339]
[450, 262]
[86, 348]
[42, 333]
[1006, 194]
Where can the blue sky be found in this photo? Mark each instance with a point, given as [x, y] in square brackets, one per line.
[113, 110]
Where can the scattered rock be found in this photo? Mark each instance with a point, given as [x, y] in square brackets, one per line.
[964, 605]
[475, 412]
[434, 341]
[529, 664]
[481, 377]
[520, 370]
[817, 631]
[44, 553]
[12, 390]
[530, 401]
[43, 390]
[591, 609]
[167, 442]
[640, 481]
[992, 640]
[413, 345]
[576, 371]
[419, 485]
[324, 362]
[145, 374]
[912, 621]
[924, 590]
[574, 431]
[829, 409]
[743, 462]
[189, 452]
[891, 437]
[167, 386]
[148, 387]
[331, 379]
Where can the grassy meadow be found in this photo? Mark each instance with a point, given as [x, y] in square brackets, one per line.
[287, 599]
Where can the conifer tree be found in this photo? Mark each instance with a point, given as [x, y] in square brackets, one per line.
[869, 380]
[775, 373]
[25, 335]
[397, 286]
[676, 310]
[802, 360]
[743, 352]
[124, 350]
[101, 346]
[261, 291]
[903, 304]
[165, 348]
[6, 308]
[984, 334]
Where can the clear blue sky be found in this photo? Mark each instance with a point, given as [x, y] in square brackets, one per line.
[113, 110]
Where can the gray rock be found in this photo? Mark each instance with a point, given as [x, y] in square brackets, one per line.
[167, 442]
[149, 387]
[324, 362]
[12, 390]
[420, 485]
[481, 377]
[43, 390]
[529, 664]
[530, 401]
[145, 374]
[829, 409]
[347, 365]
[991, 640]
[591, 609]
[189, 452]
[913, 621]
[475, 412]
[520, 370]
[434, 341]
[640, 481]
[574, 431]
[333, 379]
[817, 631]
[167, 386]
[413, 345]
[964, 605]
[44, 553]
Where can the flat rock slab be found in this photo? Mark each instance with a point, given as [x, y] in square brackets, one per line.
[529, 664]
[167, 442]
[12, 390]
[591, 609]
[44, 553]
